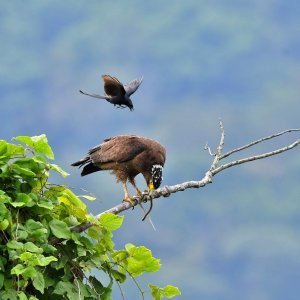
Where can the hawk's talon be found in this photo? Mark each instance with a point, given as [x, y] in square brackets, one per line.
[133, 201]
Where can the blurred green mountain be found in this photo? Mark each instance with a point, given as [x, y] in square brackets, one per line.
[201, 61]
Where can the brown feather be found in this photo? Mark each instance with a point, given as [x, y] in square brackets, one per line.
[112, 86]
[126, 156]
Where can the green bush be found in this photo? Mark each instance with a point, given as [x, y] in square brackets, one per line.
[40, 256]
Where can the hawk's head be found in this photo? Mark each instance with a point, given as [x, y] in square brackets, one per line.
[156, 177]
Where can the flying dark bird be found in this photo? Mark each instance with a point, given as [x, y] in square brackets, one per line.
[127, 156]
[117, 93]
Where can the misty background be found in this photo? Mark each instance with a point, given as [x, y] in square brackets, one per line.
[239, 237]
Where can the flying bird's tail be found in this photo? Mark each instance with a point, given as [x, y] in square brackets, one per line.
[94, 95]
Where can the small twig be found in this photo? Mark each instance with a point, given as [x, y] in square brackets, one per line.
[77, 283]
[256, 157]
[17, 226]
[219, 149]
[121, 291]
[132, 277]
[258, 141]
[206, 147]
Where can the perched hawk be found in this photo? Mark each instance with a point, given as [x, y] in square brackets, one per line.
[117, 93]
[127, 156]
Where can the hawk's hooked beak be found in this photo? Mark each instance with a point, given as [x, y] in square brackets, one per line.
[151, 186]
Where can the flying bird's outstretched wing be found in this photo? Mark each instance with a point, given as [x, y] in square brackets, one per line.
[112, 86]
[132, 86]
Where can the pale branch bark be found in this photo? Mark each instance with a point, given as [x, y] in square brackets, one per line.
[256, 157]
[214, 169]
[258, 141]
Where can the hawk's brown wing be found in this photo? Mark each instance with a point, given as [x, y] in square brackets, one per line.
[112, 86]
[117, 149]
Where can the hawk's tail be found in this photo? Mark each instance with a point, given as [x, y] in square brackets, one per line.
[81, 162]
[89, 167]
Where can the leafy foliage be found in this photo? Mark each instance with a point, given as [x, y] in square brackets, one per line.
[40, 256]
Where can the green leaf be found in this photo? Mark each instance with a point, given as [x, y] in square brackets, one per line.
[94, 233]
[70, 199]
[49, 248]
[23, 200]
[156, 292]
[107, 294]
[63, 287]
[4, 212]
[15, 245]
[21, 171]
[87, 197]
[45, 204]
[33, 259]
[74, 204]
[111, 221]
[3, 147]
[26, 256]
[10, 294]
[36, 230]
[171, 291]
[168, 291]
[27, 272]
[22, 296]
[39, 282]
[96, 284]
[31, 247]
[32, 225]
[38, 143]
[39, 159]
[20, 232]
[60, 229]
[128, 246]
[118, 276]
[119, 256]
[141, 260]
[28, 166]
[58, 169]
[4, 224]
[45, 261]
[8, 151]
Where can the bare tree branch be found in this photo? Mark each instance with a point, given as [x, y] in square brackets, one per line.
[214, 169]
[258, 141]
[256, 157]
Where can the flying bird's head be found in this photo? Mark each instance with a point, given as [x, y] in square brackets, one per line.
[156, 177]
[130, 104]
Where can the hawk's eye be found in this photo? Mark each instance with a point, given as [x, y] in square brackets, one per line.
[157, 175]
